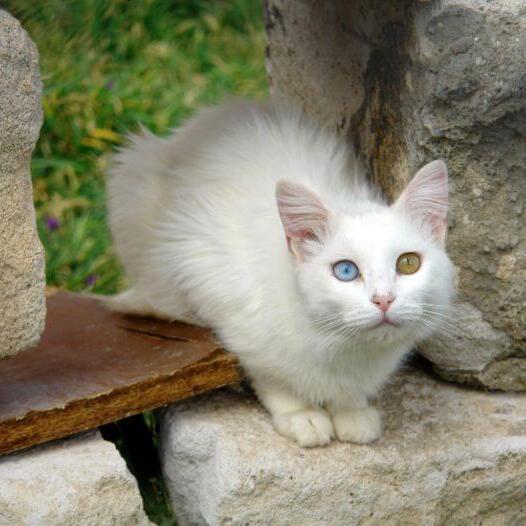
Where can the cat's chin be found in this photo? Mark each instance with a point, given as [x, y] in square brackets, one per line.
[385, 330]
[396, 333]
[389, 331]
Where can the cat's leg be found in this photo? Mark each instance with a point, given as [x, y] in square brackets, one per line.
[292, 418]
[355, 421]
[128, 302]
[134, 303]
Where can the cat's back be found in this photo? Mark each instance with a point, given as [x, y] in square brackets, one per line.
[259, 143]
[245, 145]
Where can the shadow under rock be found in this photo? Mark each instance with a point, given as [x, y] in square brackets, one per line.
[136, 438]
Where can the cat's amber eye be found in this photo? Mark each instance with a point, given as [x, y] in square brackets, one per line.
[408, 263]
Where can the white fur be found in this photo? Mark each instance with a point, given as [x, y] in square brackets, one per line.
[196, 224]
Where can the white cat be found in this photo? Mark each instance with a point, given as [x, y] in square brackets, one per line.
[256, 222]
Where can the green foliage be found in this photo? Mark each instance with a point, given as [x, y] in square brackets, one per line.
[108, 65]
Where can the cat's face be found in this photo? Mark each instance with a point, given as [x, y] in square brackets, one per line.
[380, 273]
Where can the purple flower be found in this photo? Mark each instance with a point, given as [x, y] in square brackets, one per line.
[91, 280]
[52, 224]
[109, 85]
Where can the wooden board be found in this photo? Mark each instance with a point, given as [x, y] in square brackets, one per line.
[94, 366]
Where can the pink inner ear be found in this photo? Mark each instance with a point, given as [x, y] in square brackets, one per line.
[302, 213]
[426, 198]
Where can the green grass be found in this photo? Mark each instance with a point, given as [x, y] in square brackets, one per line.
[108, 66]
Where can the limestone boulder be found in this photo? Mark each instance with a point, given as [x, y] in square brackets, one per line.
[448, 456]
[81, 481]
[22, 304]
[411, 81]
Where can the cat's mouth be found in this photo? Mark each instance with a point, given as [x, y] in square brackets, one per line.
[385, 321]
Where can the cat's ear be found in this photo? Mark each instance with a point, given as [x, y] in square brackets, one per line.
[426, 198]
[303, 215]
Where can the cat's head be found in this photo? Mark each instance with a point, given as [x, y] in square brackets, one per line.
[377, 272]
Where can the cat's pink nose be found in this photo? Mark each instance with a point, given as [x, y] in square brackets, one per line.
[383, 302]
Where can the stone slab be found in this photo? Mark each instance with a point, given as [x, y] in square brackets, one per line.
[448, 456]
[22, 280]
[81, 481]
[94, 366]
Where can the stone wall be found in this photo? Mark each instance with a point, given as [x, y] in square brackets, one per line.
[409, 81]
[80, 481]
[22, 303]
[448, 456]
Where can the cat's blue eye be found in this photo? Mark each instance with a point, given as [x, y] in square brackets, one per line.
[345, 270]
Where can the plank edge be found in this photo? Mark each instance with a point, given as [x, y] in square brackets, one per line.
[218, 370]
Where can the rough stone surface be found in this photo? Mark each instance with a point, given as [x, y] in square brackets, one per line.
[81, 481]
[424, 80]
[327, 74]
[22, 305]
[448, 456]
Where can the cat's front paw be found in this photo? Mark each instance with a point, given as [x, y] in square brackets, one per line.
[360, 426]
[309, 428]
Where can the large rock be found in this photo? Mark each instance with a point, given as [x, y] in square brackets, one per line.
[410, 81]
[448, 456]
[22, 304]
[81, 481]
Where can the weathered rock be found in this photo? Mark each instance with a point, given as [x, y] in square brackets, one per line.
[81, 481]
[448, 456]
[22, 305]
[327, 74]
[410, 81]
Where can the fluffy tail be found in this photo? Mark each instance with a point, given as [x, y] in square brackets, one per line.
[134, 194]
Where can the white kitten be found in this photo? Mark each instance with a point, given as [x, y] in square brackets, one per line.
[256, 222]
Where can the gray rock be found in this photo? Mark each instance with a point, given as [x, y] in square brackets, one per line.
[22, 280]
[448, 456]
[81, 481]
[408, 82]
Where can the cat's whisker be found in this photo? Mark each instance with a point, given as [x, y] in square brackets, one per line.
[327, 325]
[327, 320]
[339, 327]
[343, 332]
[441, 308]
[449, 307]
[437, 327]
[333, 326]
[440, 315]
[442, 319]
